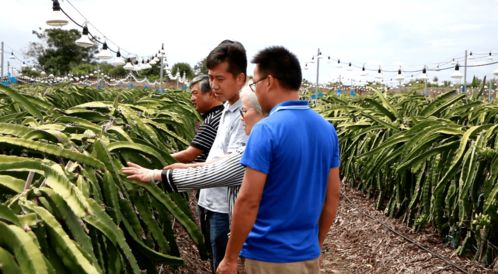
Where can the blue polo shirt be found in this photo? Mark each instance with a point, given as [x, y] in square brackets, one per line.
[296, 148]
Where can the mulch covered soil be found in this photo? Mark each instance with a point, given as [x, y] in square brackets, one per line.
[359, 244]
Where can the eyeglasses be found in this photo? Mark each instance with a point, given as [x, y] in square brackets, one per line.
[253, 85]
[242, 112]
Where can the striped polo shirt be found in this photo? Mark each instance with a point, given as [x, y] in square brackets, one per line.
[206, 133]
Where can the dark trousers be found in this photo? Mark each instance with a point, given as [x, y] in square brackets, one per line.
[215, 227]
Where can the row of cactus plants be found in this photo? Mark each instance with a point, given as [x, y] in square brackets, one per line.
[65, 207]
[430, 161]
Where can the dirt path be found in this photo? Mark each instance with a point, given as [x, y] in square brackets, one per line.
[359, 244]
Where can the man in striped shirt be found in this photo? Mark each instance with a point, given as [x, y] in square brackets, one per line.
[210, 107]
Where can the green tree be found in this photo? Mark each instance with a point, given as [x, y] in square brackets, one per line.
[183, 69]
[153, 73]
[27, 71]
[83, 69]
[116, 71]
[201, 66]
[57, 52]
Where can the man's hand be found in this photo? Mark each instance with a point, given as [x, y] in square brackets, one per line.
[243, 218]
[187, 155]
[227, 267]
[138, 173]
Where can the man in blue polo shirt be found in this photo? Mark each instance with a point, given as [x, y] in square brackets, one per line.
[290, 193]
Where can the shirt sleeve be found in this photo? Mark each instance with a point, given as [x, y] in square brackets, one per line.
[204, 138]
[238, 137]
[225, 172]
[336, 159]
[258, 150]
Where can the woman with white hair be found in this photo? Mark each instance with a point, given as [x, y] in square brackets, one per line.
[226, 171]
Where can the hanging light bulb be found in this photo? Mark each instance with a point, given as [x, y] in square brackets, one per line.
[147, 65]
[128, 65]
[349, 67]
[12, 56]
[306, 66]
[423, 76]
[152, 61]
[58, 19]
[312, 60]
[156, 59]
[363, 71]
[118, 61]
[136, 66]
[400, 76]
[490, 56]
[453, 62]
[471, 57]
[379, 74]
[84, 41]
[339, 65]
[329, 60]
[105, 53]
[457, 74]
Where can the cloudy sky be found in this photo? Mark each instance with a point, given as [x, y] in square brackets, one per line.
[385, 33]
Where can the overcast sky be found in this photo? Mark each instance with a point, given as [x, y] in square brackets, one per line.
[386, 33]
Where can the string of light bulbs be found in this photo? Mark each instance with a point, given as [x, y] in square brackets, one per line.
[438, 66]
[13, 53]
[89, 42]
[89, 23]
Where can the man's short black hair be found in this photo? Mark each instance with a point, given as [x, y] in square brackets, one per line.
[233, 53]
[281, 64]
[203, 81]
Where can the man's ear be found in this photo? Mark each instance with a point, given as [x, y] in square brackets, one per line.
[271, 82]
[241, 78]
[211, 94]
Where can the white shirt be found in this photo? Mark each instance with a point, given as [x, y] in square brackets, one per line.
[229, 137]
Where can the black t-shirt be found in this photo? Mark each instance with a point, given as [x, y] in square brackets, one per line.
[206, 133]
